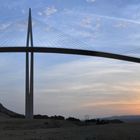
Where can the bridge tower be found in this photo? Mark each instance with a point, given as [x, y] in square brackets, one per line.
[29, 75]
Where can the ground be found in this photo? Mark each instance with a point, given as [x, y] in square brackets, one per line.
[62, 130]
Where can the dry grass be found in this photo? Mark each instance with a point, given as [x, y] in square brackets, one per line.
[62, 130]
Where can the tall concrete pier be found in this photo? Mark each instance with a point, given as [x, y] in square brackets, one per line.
[29, 83]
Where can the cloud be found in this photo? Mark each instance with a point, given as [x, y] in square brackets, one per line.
[89, 28]
[78, 83]
[87, 83]
[23, 11]
[19, 24]
[122, 24]
[89, 80]
[86, 22]
[4, 26]
[48, 11]
[91, 1]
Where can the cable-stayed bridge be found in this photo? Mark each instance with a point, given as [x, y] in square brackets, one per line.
[32, 48]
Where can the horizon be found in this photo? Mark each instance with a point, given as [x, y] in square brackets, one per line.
[86, 117]
[66, 84]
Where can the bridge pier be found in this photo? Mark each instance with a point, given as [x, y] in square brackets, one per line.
[29, 82]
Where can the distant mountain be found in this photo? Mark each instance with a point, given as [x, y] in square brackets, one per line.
[5, 113]
[126, 118]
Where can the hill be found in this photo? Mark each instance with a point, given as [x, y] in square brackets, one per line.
[125, 118]
[5, 113]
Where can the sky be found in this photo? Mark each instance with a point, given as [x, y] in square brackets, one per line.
[72, 85]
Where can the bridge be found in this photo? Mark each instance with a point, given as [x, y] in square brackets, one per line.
[30, 49]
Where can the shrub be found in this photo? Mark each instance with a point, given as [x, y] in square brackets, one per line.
[73, 119]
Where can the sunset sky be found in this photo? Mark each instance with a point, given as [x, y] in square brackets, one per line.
[73, 85]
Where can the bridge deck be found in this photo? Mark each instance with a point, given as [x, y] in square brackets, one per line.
[69, 51]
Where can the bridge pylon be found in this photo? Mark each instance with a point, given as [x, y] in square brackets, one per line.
[29, 75]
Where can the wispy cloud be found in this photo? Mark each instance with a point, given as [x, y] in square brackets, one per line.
[91, 1]
[4, 26]
[122, 24]
[117, 19]
[48, 11]
[92, 82]
[86, 22]
[89, 23]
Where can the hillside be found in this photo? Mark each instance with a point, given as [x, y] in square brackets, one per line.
[126, 118]
[5, 113]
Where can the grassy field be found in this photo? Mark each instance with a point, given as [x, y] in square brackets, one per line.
[63, 130]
